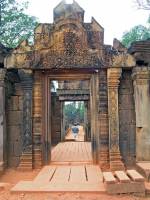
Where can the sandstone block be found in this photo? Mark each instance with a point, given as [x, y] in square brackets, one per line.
[14, 132]
[15, 118]
[126, 188]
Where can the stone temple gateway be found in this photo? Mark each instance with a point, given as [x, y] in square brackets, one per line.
[117, 93]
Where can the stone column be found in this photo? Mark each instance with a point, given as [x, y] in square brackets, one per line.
[26, 82]
[2, 119]
[141, 77]
[114, 151]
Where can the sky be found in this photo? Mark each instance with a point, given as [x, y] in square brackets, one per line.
[115, 16]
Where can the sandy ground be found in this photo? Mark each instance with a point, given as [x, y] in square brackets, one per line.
[11, 177]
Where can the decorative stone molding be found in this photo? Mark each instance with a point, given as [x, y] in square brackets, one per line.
[141, 75]
[114, 151]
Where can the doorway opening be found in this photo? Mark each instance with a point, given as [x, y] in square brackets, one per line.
[75, 121]
[70, 121]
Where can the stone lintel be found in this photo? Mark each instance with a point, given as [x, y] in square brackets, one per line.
[123, 60]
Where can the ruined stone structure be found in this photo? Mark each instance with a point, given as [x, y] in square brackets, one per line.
[71, 50]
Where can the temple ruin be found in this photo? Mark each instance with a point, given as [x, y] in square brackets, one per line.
[112, 81]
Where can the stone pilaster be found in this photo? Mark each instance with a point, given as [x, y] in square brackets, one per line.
[103, 121]
[62, 122]
[2, 119]
[37, 120]
[114, 151]
[85, 119]
[26, 161]
[94, 99]
[141, 78]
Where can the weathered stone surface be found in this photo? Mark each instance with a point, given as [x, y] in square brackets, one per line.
[141, 76]
[15, 118]
[124, 184]
[124, 61]
[2, 120]
[13, 161]
[141, 52]
[127, 122]
[14, 132]
[126, 188]
[114, 151]
[135, 176]
[144, 169]
[74, 50]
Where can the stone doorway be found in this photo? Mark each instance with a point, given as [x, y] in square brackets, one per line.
[75, 121]
[49, 121]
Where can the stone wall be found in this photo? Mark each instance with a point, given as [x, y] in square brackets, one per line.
[55, 119]
[14, 124]
[127, 118]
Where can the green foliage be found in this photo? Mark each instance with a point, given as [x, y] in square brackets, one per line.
[15, 25]
[143, 4]
[74, 112]
[137, 33]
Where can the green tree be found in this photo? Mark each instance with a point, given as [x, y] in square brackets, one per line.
[15, 25]
[136, 33]
[74, 112]
[143, 4]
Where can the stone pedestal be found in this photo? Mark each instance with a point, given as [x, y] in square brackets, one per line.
[141, 77]
[26, 161]
[114, 151]
[2, 120]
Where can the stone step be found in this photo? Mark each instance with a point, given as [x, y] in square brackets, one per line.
[122, 177]
[124, 184]
[135, 176]
[109, 177]
[144, 169]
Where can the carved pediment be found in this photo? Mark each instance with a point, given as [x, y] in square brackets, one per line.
[67, 43]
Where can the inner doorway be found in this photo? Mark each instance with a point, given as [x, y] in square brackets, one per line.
[75, 121]
[59, 92]
[70, 121]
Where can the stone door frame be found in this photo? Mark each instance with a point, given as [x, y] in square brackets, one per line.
[93, 77]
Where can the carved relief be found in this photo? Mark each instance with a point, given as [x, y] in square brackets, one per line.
[27, 121]
[26, 81]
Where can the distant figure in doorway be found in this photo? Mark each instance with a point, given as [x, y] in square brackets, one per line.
[75, 129]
